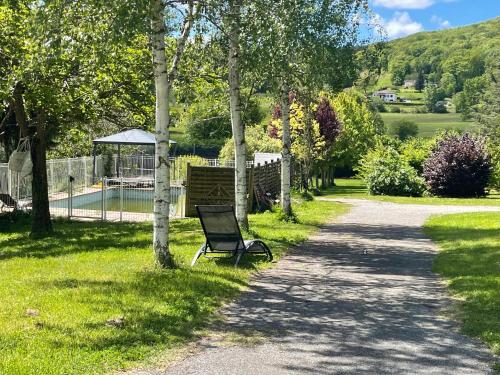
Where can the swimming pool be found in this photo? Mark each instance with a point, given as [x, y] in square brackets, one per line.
[132, 200]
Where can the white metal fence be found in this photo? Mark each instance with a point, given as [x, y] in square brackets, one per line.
[116, 199]
[114, 189]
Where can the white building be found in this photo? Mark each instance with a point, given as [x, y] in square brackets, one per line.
[409, 83]
[386, 95]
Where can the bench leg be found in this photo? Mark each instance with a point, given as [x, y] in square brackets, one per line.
[200, 251]
[268, 252]
[239, 256]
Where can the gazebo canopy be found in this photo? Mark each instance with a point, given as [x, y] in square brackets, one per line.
[129, 137]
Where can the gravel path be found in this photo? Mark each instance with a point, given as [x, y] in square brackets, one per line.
[357, 298]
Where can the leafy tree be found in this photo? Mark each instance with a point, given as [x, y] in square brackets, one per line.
[257, 140]
[329, 124]
[370, 62]
[405, 129]
[399, 70]
[378, 104]
[432, 96]
[330, 129]
[489, 115]
[448, 83]
[468, 101]
[359, 128]
[164, 79]
[304, 62]
[47, 76]
[420, 81]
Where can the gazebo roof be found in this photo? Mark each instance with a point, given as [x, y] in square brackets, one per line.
[129, 137]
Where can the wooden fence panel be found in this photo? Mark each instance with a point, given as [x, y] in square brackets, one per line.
[215, 185]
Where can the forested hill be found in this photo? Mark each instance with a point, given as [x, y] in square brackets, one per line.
[447, 57]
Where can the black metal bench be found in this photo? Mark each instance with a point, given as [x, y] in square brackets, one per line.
[223, 235]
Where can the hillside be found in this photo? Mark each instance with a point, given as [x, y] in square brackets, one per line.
[447, 58]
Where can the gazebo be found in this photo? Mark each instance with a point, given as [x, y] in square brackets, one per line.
[132, 137]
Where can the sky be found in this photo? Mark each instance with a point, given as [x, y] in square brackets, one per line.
[404, 17]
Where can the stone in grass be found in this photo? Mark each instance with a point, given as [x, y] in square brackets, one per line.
[32, 312]
[118, 322]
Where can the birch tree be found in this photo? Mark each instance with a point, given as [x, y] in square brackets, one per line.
[238, 128]
[228, 29]
[164, 78]
[308, 45]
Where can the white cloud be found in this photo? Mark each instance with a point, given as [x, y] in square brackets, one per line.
[441, 22]
[404, 4]
[399, 25]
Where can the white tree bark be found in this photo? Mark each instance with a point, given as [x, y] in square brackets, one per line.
[286, 156]
[164, 79]
[162, 166]
[238, 128]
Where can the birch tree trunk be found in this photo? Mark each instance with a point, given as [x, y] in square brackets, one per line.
[162, 166]
[237, 125]
[286, 156]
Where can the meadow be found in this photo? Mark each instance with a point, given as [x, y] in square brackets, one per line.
[430, 123]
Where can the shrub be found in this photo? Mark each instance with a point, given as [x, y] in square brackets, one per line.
[386, 172]
[306, 196]
[180, 170]
[378, 104]
[206, 122]
[416, 151]
[405, 129]
[394, 109]
[292, 218]
[257, 140]
[419, 109]
[458, 167]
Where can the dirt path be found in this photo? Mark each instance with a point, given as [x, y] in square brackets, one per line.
[357, 298]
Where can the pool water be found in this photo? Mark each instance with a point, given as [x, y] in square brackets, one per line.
[134, 200]
[113, 204]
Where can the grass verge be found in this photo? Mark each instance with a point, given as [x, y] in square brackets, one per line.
[355, 188]
[58, 293]
[470, 262]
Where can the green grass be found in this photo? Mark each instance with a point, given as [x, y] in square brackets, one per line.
[470, 261]
[410, 94]
[429, 123]
[355, 188]
[90, 272]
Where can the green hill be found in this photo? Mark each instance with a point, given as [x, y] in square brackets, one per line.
[447, 58]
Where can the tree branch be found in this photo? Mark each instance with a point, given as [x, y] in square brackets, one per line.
[181, 41]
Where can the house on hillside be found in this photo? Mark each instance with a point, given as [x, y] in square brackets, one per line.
[410, 83]
[386, 95]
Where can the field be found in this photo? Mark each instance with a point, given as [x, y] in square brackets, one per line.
[429, 123]
[90, 301]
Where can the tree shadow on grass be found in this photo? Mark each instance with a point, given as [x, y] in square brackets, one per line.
[158, 307]
[73, 237]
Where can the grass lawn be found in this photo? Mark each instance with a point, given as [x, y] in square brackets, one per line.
[429, 123]
[355, 188]
[91, 272]
[470, 261]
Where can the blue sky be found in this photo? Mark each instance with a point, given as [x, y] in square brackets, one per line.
[404, 17]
